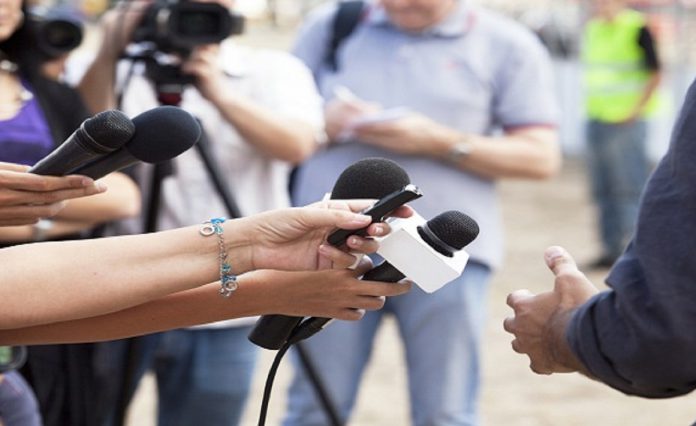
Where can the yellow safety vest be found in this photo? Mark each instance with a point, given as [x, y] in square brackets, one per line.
[615, 73]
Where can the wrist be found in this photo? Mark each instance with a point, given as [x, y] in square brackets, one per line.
[558, 346]
[238, 245]
[40, 230]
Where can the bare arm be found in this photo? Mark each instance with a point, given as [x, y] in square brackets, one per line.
[276, 135]
[525, 152]
[26, 197]
[259, 293]
[120, 202]
[60, 281]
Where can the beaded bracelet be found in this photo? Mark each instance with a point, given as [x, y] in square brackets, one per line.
[228, 281]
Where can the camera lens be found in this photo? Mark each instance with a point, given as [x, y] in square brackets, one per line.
[61, 36]
[198, 24]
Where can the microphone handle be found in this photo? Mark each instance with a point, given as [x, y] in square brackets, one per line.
[71, 154]
[272, 331]
[101, 167]
[384, 272]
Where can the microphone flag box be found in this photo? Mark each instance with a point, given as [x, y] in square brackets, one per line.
[414, 258]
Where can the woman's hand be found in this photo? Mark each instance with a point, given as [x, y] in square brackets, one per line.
[331, 293]
[25, 197]
[290, 239]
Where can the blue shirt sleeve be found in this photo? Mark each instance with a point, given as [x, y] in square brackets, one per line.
[640, 337]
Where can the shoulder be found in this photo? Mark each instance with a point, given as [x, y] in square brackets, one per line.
[248, 60]
[504, 31]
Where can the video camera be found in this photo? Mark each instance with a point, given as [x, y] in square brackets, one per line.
[55, 30]
[176, 27]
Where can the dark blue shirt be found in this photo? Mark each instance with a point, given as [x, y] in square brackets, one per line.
[640, 337]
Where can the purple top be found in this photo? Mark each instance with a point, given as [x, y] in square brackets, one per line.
[25, 138]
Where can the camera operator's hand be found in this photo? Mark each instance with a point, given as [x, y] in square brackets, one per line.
[203, 64]
[97, 86]
[118, 24]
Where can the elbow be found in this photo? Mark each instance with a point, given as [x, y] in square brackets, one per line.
[300, 150]
[547, 167]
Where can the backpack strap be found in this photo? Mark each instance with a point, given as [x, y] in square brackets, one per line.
[346, 19]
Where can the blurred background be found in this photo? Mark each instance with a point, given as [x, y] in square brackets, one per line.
[537, 215]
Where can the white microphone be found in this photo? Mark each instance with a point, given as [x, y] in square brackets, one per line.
[427, 252]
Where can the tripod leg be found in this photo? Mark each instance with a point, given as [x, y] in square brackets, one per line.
[315, 379]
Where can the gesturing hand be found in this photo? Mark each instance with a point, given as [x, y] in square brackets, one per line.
[540, 321]
[25, 197]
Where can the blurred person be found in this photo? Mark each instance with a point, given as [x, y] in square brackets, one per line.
[37, 113]
[622, 75]
[262, 114]
[637, 337]
[460, 97]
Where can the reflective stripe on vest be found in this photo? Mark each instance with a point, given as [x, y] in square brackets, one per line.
[615, 73]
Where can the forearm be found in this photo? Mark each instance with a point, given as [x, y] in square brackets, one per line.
[52, 282]
[97, 86]
[187, 308]
[121, 201]
[531, 153]
[279, 137]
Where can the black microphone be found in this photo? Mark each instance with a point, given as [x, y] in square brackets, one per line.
[446, 233]
[95, 138]
[161, 134]
[367, 178]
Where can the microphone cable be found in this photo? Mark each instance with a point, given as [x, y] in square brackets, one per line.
[312, 374]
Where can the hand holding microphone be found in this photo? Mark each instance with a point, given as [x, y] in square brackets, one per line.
[376, 178]
[431, 256]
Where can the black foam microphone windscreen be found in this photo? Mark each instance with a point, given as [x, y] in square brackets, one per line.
[371, 177]
[95, 138]
[161, 134]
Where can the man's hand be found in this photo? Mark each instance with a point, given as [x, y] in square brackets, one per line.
[413, 134]
[539, 321]
[25, 197]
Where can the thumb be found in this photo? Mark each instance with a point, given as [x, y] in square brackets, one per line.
[573, 285]
[559, 260]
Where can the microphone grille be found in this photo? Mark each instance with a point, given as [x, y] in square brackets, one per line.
[111, 129]
[162, 133]
[372, 177]
[454, 228]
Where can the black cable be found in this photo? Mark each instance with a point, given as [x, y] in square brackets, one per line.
[269, 383]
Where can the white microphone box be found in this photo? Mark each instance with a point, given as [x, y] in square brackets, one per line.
[414, 258]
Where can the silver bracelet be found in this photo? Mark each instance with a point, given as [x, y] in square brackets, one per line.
[228, 281]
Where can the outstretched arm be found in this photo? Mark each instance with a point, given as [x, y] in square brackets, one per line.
[60, 281]
[263, 292]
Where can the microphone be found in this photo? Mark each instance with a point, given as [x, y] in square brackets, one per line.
[161, 134]
[443, 236]
[368, 178]
[96, 137]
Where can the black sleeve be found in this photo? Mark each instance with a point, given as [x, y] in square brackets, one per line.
[647, 42]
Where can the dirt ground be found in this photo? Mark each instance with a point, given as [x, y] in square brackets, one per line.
[536, 215]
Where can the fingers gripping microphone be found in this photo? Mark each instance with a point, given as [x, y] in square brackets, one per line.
[441, 239]
[95, 138]
[161, 134]
[368, 178]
